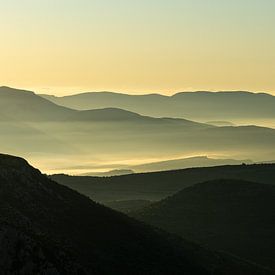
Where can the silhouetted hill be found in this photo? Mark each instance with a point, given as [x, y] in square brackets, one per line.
[191, 105]
[46, 228]
[229, 215]
[159, 185]
[45, 219]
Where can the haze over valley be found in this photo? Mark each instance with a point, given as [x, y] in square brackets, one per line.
[60, 139]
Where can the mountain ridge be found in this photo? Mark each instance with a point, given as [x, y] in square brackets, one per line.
[235, 106]
[41, 130]
[91, 232]
[157, 94]
[155, 186]
[28, 101]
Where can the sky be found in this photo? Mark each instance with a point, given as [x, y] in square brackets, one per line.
[137, 46]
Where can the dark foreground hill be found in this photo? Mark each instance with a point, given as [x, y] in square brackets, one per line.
[46, 228]
[159, 185]
[229, 215]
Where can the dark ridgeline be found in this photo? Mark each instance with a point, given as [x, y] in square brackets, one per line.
[158, 185]
[46, 228]
[227, 215]
[234, 215]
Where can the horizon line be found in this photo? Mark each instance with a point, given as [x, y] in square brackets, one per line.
[39, 92]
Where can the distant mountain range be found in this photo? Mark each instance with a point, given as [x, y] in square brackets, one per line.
[46, 228]
[21, 105]
[110, 173]
[58, 138]
[229, 215]
[204, 106]
[176, 164]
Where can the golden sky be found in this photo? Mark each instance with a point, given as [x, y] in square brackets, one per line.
[137, 46]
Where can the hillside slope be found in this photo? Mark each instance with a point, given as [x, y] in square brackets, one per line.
[229, 215]
[43, 221]
[46, 228]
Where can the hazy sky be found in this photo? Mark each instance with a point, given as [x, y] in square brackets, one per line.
[137, 46]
